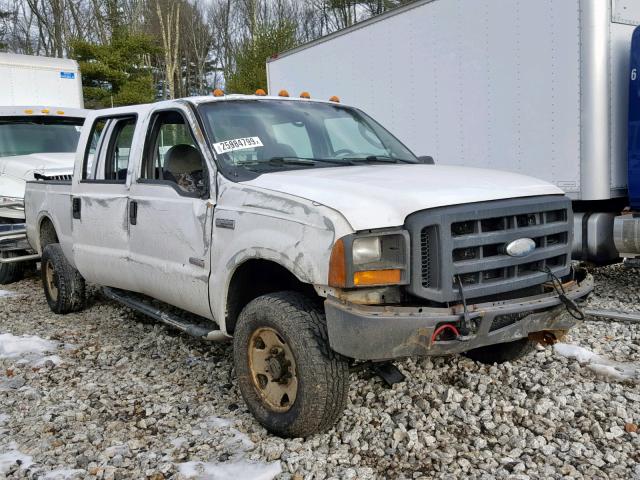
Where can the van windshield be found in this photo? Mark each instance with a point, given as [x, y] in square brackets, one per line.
[27, 135]
[267, 135]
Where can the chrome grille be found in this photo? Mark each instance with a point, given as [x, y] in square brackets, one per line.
[466, 244]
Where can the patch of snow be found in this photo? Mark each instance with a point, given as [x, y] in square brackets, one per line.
[28, 349]
[178, 442]
[8, 293]
[239, 441]
[599, 364]
[54, 359]
[64, 474]
[14, 456]
[3, 418]
[238, 470]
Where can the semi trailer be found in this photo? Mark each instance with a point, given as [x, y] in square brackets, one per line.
[539, 88]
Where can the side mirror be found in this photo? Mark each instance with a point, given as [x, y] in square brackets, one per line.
[426, 159]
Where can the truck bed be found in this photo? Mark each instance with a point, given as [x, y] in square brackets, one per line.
[53, 198]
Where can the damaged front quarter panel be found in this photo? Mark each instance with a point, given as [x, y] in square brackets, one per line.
[255, 223]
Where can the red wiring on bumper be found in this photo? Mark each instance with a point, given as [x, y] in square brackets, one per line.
[441, 329]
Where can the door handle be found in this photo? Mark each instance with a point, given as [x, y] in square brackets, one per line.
[75, 207]
[133, 212]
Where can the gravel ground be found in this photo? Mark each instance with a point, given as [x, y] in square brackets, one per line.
[122, 397]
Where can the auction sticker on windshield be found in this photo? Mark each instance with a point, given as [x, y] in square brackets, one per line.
[237, 144]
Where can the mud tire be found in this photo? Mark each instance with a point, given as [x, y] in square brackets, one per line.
[63, 285]
[10, 272]
[502, 352]
[322, 374]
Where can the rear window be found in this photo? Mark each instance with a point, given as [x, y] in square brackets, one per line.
[27, 135]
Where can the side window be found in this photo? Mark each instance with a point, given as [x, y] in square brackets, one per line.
[294, 135]
[345, 133]
[171, 154]
[107, 154]
[97, 134]
[119, 150]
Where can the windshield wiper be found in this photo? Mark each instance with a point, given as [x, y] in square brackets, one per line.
[305, 161]
[376, 158]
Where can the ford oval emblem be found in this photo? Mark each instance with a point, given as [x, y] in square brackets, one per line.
[520, 247]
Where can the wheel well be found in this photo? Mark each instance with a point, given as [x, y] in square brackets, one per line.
[255, 278]
[47, 233]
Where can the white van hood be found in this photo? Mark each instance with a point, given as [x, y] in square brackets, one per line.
[378, 196]
[16, 171]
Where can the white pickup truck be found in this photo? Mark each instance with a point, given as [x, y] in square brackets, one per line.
[310, 235]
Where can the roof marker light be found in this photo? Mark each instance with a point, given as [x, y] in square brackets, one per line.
[45, 111]
[261, 93]
[305, 95]
[335, 99]
[28, 112]
[218, 93]
[283, 93]
[60, 112]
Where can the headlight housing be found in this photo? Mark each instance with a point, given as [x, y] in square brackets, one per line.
[15, 202]
[370, 259]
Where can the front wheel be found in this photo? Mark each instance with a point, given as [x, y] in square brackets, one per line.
[63, 285]
[289, 377]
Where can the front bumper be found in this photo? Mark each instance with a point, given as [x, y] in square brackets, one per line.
[386, 332]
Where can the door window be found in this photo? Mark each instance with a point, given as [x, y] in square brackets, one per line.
[107, 155]
[172, 156]
[117, 158]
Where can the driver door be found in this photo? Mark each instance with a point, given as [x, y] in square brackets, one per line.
[170, 216]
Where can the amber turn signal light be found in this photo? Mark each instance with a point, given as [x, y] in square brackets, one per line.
[283, 93]
[377, 277]
[306, 95]
[261, 93]
[335, 99]
[218, 93]
[337, 267]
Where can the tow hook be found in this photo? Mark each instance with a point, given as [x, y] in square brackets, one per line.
[547, 337]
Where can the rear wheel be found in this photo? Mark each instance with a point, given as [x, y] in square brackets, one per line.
[10, 272]
[502, 352]
[291, 380]
[63, 285]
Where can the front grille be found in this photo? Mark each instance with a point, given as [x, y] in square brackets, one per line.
[465, 246]
[48, 177]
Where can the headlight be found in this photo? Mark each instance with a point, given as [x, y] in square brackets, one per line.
[366, 250]
[11, 202]
[370, 259]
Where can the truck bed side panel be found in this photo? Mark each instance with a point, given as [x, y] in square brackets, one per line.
[51, 200]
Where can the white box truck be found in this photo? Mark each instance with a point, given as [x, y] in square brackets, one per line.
[534, 87]
[41, 113]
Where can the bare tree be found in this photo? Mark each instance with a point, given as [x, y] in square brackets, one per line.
[169, 18]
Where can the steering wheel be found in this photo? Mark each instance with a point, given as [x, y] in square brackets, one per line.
[343, 151]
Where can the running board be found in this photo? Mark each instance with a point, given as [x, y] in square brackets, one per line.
[136, 302]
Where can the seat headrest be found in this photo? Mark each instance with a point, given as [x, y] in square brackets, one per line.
[182, 158]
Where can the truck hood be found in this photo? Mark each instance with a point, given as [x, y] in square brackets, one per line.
[16, 171]
[24, 166]
[378, 196]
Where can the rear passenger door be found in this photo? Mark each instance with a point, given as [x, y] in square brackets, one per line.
[99, 203]
[171, 216]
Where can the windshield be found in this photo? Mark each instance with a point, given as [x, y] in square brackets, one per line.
[27, 135]
[266, 135]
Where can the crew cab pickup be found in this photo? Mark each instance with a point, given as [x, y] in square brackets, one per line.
[311, 236]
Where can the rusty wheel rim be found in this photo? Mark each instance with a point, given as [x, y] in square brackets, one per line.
[273, 369]
[50, 277]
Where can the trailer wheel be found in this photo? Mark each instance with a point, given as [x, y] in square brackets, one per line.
[10, 272]
[502, 352]
[63, 285]
[289, 377]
